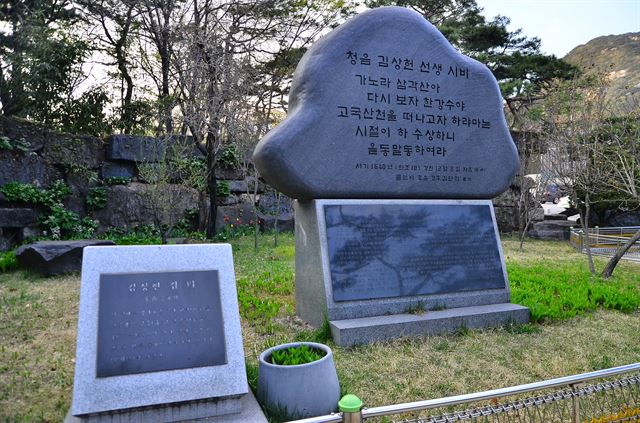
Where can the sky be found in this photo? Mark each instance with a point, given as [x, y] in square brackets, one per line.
[565, 24]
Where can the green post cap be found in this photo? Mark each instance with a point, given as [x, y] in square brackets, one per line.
[350, 404]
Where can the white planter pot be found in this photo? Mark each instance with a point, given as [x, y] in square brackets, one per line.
[304, 390]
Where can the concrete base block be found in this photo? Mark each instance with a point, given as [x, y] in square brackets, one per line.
[248, 411]
[366, 330]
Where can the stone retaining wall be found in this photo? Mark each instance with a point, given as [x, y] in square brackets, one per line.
[39, 156]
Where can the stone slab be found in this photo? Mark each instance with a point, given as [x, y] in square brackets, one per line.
[551, 229]
[27, 169]
[17, 217]
[366, 330]
[196, 392]
[52, 258]
[250, 412]
[385, 107]
[118, 170]
[395, 250]
[315, 285]
[135, 148]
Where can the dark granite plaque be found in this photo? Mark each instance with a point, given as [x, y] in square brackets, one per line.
[378, 251]
[150, 322]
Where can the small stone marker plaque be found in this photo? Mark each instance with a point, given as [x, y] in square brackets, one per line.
[385, 107]
[159, 321]
[159, 335]
[394, 250]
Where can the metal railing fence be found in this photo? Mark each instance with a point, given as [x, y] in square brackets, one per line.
[578, 400]
[605, 241]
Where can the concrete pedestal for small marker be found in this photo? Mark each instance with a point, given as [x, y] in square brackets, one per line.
[159, 337]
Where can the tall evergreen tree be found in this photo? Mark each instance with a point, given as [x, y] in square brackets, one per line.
[516, 61]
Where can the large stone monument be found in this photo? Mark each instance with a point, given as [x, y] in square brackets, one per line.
[393, 145]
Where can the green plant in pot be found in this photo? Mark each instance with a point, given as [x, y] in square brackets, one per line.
[299, 379]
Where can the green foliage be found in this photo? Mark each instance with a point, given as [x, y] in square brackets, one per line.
[140, 235]
[86, 114]
[136, 118]
[603, 362]
[321, 335]
[57, 221]
[415, 308]
[184, 226]
[117, 180]
[252, 375]
[97, 198]
[229, 157]
[222, 189]
[7, 144]
[192, 171]
[265, 282]
[235, 231]
[8, 261]
[568, 289]
[293, 356]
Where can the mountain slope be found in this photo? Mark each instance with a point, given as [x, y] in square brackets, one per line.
[618, 56]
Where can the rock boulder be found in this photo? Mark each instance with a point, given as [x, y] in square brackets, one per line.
[52, 258]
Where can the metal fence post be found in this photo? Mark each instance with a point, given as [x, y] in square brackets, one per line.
[351, 408]
[575, 400]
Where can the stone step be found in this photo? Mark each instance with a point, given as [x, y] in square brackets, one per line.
[365, 330]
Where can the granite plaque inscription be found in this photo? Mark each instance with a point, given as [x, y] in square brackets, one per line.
[385, 107]
[379, 251]
[151, 322]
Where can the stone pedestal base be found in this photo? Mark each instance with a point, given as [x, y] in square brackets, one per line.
[243, 410]
[364, 264]
[349, 332]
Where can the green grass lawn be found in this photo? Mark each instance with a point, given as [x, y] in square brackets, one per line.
[581, 324]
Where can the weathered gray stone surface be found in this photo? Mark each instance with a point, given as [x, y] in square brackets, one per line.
[559, 216]
[285, 221]
[347, 333]
[240, 214]
[20, 129]
[118, 169]
[196, 392]
[17, 217]
[367, 119]
[631, 218]
[506, 219]
[250, 412]
[131, 205]
[74, 152]
[52, 258]
[270, 203]
[26, 168]
[240, 186]
[135, 148]
[551, 229]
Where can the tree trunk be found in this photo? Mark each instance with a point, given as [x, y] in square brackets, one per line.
[584, 219]
[524, 231]
[256, 223]
[613, 262]
[275, 221]
[212, 185]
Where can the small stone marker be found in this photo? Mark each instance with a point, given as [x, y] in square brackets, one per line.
[159, 335]
[385, 107]
[389, 134]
